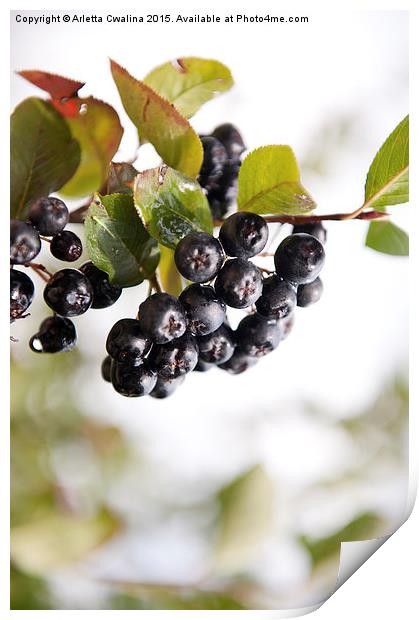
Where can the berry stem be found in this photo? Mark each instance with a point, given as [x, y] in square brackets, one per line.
[155, 284]
[45, 239]
[40, 270]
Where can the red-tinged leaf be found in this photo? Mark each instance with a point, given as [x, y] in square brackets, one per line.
[120, 178]
[158, 122]
[55, 85]
[96, 126]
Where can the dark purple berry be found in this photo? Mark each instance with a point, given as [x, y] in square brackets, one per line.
[166, 387]
[244, 234]
[21, 293]
[218, 347]
[257, 336]
[238, 363]
[162, 318]
[66, 246]
[286, 325]
[239, 283]
[317, 230]
[230, 137]
[25, 243]
[105, 294]
[299, 258]
[56, 334]
[310, 293]
[204, 311]
[278, 298]
[68, 292]
[202, 366]
[175, 358]
[126, 342]
[215, 157]
[48, 215]
[132, 381]
[199, 257]
[106, 368]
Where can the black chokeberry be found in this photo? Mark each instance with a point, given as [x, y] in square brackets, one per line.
[239, 362]
[286, 325]
[299, 258]
[215, 157]
[244, 234]
[162, 318]
[166, 387]
[218, 347]
[132, 381]
[21, 293]
[106, 368]
[25, 243]
[204, 311]
[175, 358]
[199, 256]
[231, 139]
[66, 246]
[68, 292]
[239, 283]
[104, 293]
[316, 229]
[278, 298]
[126, 342]
[48, 215]
[257, 336]
[56, 334]
[310, 293]
[202, 366]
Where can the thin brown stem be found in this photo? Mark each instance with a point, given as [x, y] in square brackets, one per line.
[359, 214]
[155, 284]
[45, 239]
[40, 270]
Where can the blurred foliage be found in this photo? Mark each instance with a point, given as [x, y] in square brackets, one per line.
[64, 463]
[164, 598]
[363, 527]
[246, 519]
[27, 592]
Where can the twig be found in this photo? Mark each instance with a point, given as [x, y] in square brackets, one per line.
[359, 214]
[40, 270]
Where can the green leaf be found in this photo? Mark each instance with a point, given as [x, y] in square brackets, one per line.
[190, 82]
[388, 177]
[171, 205]
[269, 182]
[44, 155]
[388, 238]
[247, 516]
[41, 545]
[96, 126]
[147, 596]
[365, 526]
[170, 277]
[117, 242]
[158, 122]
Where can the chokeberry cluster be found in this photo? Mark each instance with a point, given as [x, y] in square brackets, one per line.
[68, 292]
[170, 337]
[220, 167]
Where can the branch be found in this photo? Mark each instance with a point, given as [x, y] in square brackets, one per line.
[359, 214]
